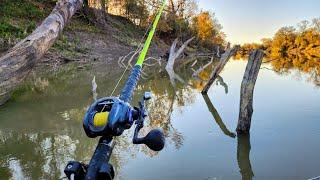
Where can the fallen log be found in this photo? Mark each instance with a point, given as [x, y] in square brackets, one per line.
[246, 93]
[216, 71]
[19, 61]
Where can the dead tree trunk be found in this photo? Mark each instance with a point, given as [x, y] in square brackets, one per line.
[216, 71]
[173, 55]
[17, 63]
[246, 93]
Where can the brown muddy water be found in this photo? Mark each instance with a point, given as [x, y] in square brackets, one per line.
[41, 128]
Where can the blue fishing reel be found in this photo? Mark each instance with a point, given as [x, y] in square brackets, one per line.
[108, 116]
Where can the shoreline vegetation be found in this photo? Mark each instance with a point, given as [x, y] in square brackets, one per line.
[291, 48]
[126, 20]
[120, 33]
[89, 39]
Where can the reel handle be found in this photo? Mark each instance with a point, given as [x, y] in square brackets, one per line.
[155, 138]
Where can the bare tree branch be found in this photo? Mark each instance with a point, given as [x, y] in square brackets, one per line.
[172, 57]
[223, 61]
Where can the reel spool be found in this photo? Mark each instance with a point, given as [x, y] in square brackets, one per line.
[108, 116]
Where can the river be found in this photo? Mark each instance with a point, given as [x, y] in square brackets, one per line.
[41, 128]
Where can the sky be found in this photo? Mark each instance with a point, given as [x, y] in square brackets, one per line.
[251, 20]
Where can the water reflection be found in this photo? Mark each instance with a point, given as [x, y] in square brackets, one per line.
[243, 156]
[41, 129]
[217, 117]
[302, 63]
[161, 106]
[309, 66]
[37, 155]
[222, 83]
[47, 131]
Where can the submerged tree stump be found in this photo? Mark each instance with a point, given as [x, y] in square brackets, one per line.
[246, 93]
[19, 61]
[217, 70]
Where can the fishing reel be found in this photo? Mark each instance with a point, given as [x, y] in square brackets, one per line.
[110, 116]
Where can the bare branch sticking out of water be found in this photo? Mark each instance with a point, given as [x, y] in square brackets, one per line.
[218, 51]
[131, 55]
[194, 63]
[123, 58]
[197, 72]
[223, 61]
[158, 61]
[172, 57]
[94, 88]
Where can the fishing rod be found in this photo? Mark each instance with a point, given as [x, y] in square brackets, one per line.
[108, 117]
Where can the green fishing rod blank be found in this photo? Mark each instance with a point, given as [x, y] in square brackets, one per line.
[146, 46]
[127, 91]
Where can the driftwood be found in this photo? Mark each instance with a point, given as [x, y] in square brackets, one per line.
[217, 117]
[94, 88]
[243, 156]
[197, 72]
[247, 88]
[194, 63]
[122, 59]
[223, 61]
[17, 63]
[172, 57]
[218, 51]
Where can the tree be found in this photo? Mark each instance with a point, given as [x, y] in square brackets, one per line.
[136, 11]
[316, 24]
[303, 25]
[207, 28]
[282, 41]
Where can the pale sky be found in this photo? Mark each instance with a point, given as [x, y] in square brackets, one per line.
[251, 20]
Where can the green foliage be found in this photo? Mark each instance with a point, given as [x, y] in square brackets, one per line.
[21, 90]
[69, 47]
[136, 10]
[207, 28]
[78, 24]
[127, 32]
[292, 48]
[18, 18]
[289, 42]
[20, 9]
[7, 30]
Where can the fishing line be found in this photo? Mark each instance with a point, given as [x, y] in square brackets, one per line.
[138, 49]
